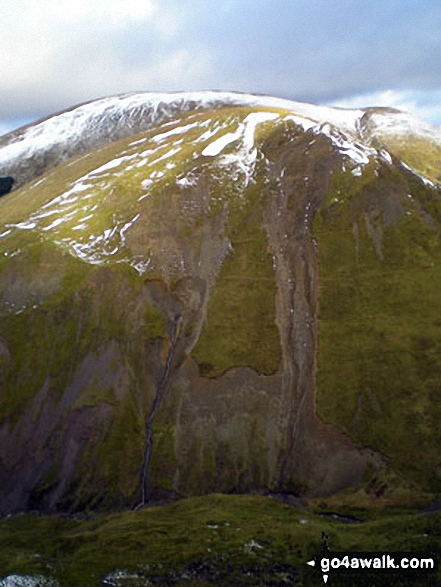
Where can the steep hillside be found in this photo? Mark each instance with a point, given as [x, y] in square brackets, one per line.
[217, 292]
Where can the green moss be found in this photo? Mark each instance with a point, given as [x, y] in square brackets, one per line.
[49, 480]
[122, 452]
[344, 185]
[153, 323]
[422, 155]
[96, 394]
[107, 473]
[191, 328]
[164, 461]
[88, 313]
[193, 475]
[231, 465]
[37, 362]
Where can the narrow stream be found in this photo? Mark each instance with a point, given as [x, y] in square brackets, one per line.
[156, 403]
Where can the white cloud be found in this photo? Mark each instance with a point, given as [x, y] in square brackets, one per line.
[56, 54]
[114, 12]
[50, 14]
[181, 66]
[172, 70]
[38, 37]
[422, 104]
[56, 86]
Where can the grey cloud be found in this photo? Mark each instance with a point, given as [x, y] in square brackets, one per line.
[313, 50]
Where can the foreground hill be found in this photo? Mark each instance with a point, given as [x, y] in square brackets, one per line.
[210, 541]
[218, 292]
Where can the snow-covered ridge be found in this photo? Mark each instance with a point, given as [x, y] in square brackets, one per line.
[71, 218]
[28, 152]
[109, 118]
[84, 218]
[376, 125]
[96, 215]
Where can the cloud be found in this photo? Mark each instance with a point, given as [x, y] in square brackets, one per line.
[47, 15]
[69, 51]
[114, 13]
[40, 35]
[422, 104]
[59, 53]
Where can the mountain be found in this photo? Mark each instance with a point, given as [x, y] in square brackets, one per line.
[218, 292]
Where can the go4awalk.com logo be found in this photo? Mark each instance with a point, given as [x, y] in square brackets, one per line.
[385, 566]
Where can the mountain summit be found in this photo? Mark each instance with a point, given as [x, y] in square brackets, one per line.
[212, 291]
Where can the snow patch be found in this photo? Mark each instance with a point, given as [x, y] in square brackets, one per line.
[252, 546]
[138, 142]
[421, 177]
[111, 165]
[27, 225]
[219, 145]
[63, 198]
[386, 156]
[186, 181]
[358, 153]
[140, 264]
[54, 224]
[244, 159]
[251, 122]
[28, 581]
[122, 577]
[402, 124]
[99, 248]
[305, 123]
[146, 183]
[166, 155]
[175, 131]
[208, 134]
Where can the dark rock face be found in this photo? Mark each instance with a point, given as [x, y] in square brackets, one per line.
[6, 184]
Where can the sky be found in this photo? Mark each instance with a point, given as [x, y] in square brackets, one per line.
[352, 53]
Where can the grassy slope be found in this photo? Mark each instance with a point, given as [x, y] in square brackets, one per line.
[204, 541]
[421, 155]
[380, 319]
[116, 190]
